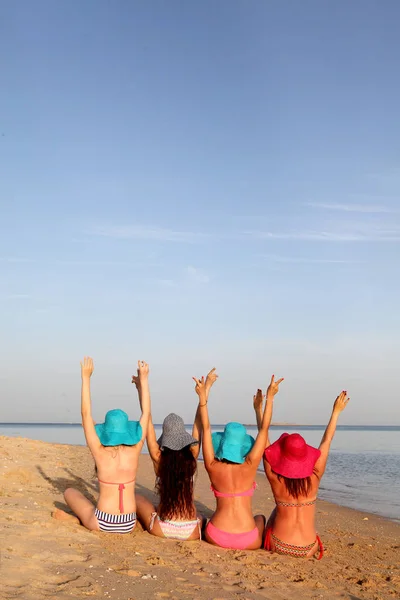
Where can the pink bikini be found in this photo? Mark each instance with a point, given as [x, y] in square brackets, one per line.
[237, 541]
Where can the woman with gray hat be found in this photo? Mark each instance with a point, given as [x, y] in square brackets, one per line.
[174, 457]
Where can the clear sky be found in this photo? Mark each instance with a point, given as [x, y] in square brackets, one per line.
[200, 184]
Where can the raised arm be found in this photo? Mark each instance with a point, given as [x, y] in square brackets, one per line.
[202, 390]
[92, 440]
[197, 431]
[258, 399]
[339, 405]
[143, 374]
[262, 440]
[151, 440]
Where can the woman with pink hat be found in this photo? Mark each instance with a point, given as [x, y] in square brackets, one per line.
[294, 470]
[231, 459]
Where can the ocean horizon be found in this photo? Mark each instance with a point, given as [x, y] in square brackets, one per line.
[363, 470]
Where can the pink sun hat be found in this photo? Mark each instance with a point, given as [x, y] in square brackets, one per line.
[291, 456]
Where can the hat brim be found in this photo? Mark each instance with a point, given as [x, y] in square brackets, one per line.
[292, 469]
[235, 453]
[176, 442]
[129, 437]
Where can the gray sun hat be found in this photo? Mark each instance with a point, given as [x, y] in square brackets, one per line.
[174, 435]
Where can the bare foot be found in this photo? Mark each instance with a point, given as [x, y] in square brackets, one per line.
[61, 515]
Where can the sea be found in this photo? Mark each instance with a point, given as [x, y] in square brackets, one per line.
[363, 470]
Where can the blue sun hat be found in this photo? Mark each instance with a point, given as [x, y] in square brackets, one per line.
[232, 444]
[117, 429]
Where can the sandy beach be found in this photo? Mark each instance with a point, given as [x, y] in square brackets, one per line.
[45, 558]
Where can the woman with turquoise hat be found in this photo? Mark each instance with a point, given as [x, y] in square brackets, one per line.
[231, 459]
[115, 446]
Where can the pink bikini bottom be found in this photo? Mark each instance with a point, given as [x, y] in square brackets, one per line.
[236, 541]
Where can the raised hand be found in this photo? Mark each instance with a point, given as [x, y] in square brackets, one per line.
[143, 371]
[211, 379]
[87, 367]
[200, 387]
[341, 402]
[258, 400]
[136, 380]
[273, 387]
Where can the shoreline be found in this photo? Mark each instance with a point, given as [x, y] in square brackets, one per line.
[42, 557]
[325, 494]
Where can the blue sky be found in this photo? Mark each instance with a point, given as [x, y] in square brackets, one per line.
[200, 184]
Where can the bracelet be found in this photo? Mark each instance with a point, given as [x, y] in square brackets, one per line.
[205, 404]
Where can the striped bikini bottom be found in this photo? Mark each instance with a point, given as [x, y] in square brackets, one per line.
[177, 530]
[124, 523]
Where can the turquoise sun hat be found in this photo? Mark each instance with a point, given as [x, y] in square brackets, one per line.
[232, 444]
[118, 430]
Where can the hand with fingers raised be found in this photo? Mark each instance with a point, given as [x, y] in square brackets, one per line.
[136, 380]
[258, 399]
[273, 387]
[200, 389]
[143, 371]
[341, 402]
[211, 379]
[87, 367]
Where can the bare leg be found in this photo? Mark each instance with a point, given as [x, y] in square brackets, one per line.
[82, 507]
[144, 512]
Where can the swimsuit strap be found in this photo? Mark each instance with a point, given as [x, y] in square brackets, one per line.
[290, 504]
[121, 487]
[218, 494]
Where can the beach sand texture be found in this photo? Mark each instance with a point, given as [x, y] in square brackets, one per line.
[45, 558]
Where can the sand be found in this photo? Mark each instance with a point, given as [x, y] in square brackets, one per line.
[45, 558]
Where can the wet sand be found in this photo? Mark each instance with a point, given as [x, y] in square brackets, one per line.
[42, 557]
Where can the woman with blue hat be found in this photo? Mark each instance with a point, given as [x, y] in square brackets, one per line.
[174, 457]
[115, 446]
[231, 459]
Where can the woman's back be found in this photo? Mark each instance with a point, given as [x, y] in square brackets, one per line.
[233, 487]
[175, 478]
[295, 515]
[116, 472]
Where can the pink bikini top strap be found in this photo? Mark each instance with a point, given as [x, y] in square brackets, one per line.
[121, 487]
[218, 494]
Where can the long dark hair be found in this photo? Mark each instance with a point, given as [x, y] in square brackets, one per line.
[174, 484]
[296, 487]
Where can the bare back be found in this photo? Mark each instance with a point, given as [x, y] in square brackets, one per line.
[234, 513]
[293, 524]
[117, 465]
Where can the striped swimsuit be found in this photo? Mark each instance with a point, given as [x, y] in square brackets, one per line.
[115, 523]
[177, 530]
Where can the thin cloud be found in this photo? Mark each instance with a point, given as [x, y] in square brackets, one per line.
[81, 263]
[139, 232]
[14, 260]
[378, 236]
[197, 275]
[299, 260]
[16, 297]
[357, 208]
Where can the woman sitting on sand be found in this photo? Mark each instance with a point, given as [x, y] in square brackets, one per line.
[294, 470]
[231, 459]
[174, 457]
[115, 446]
